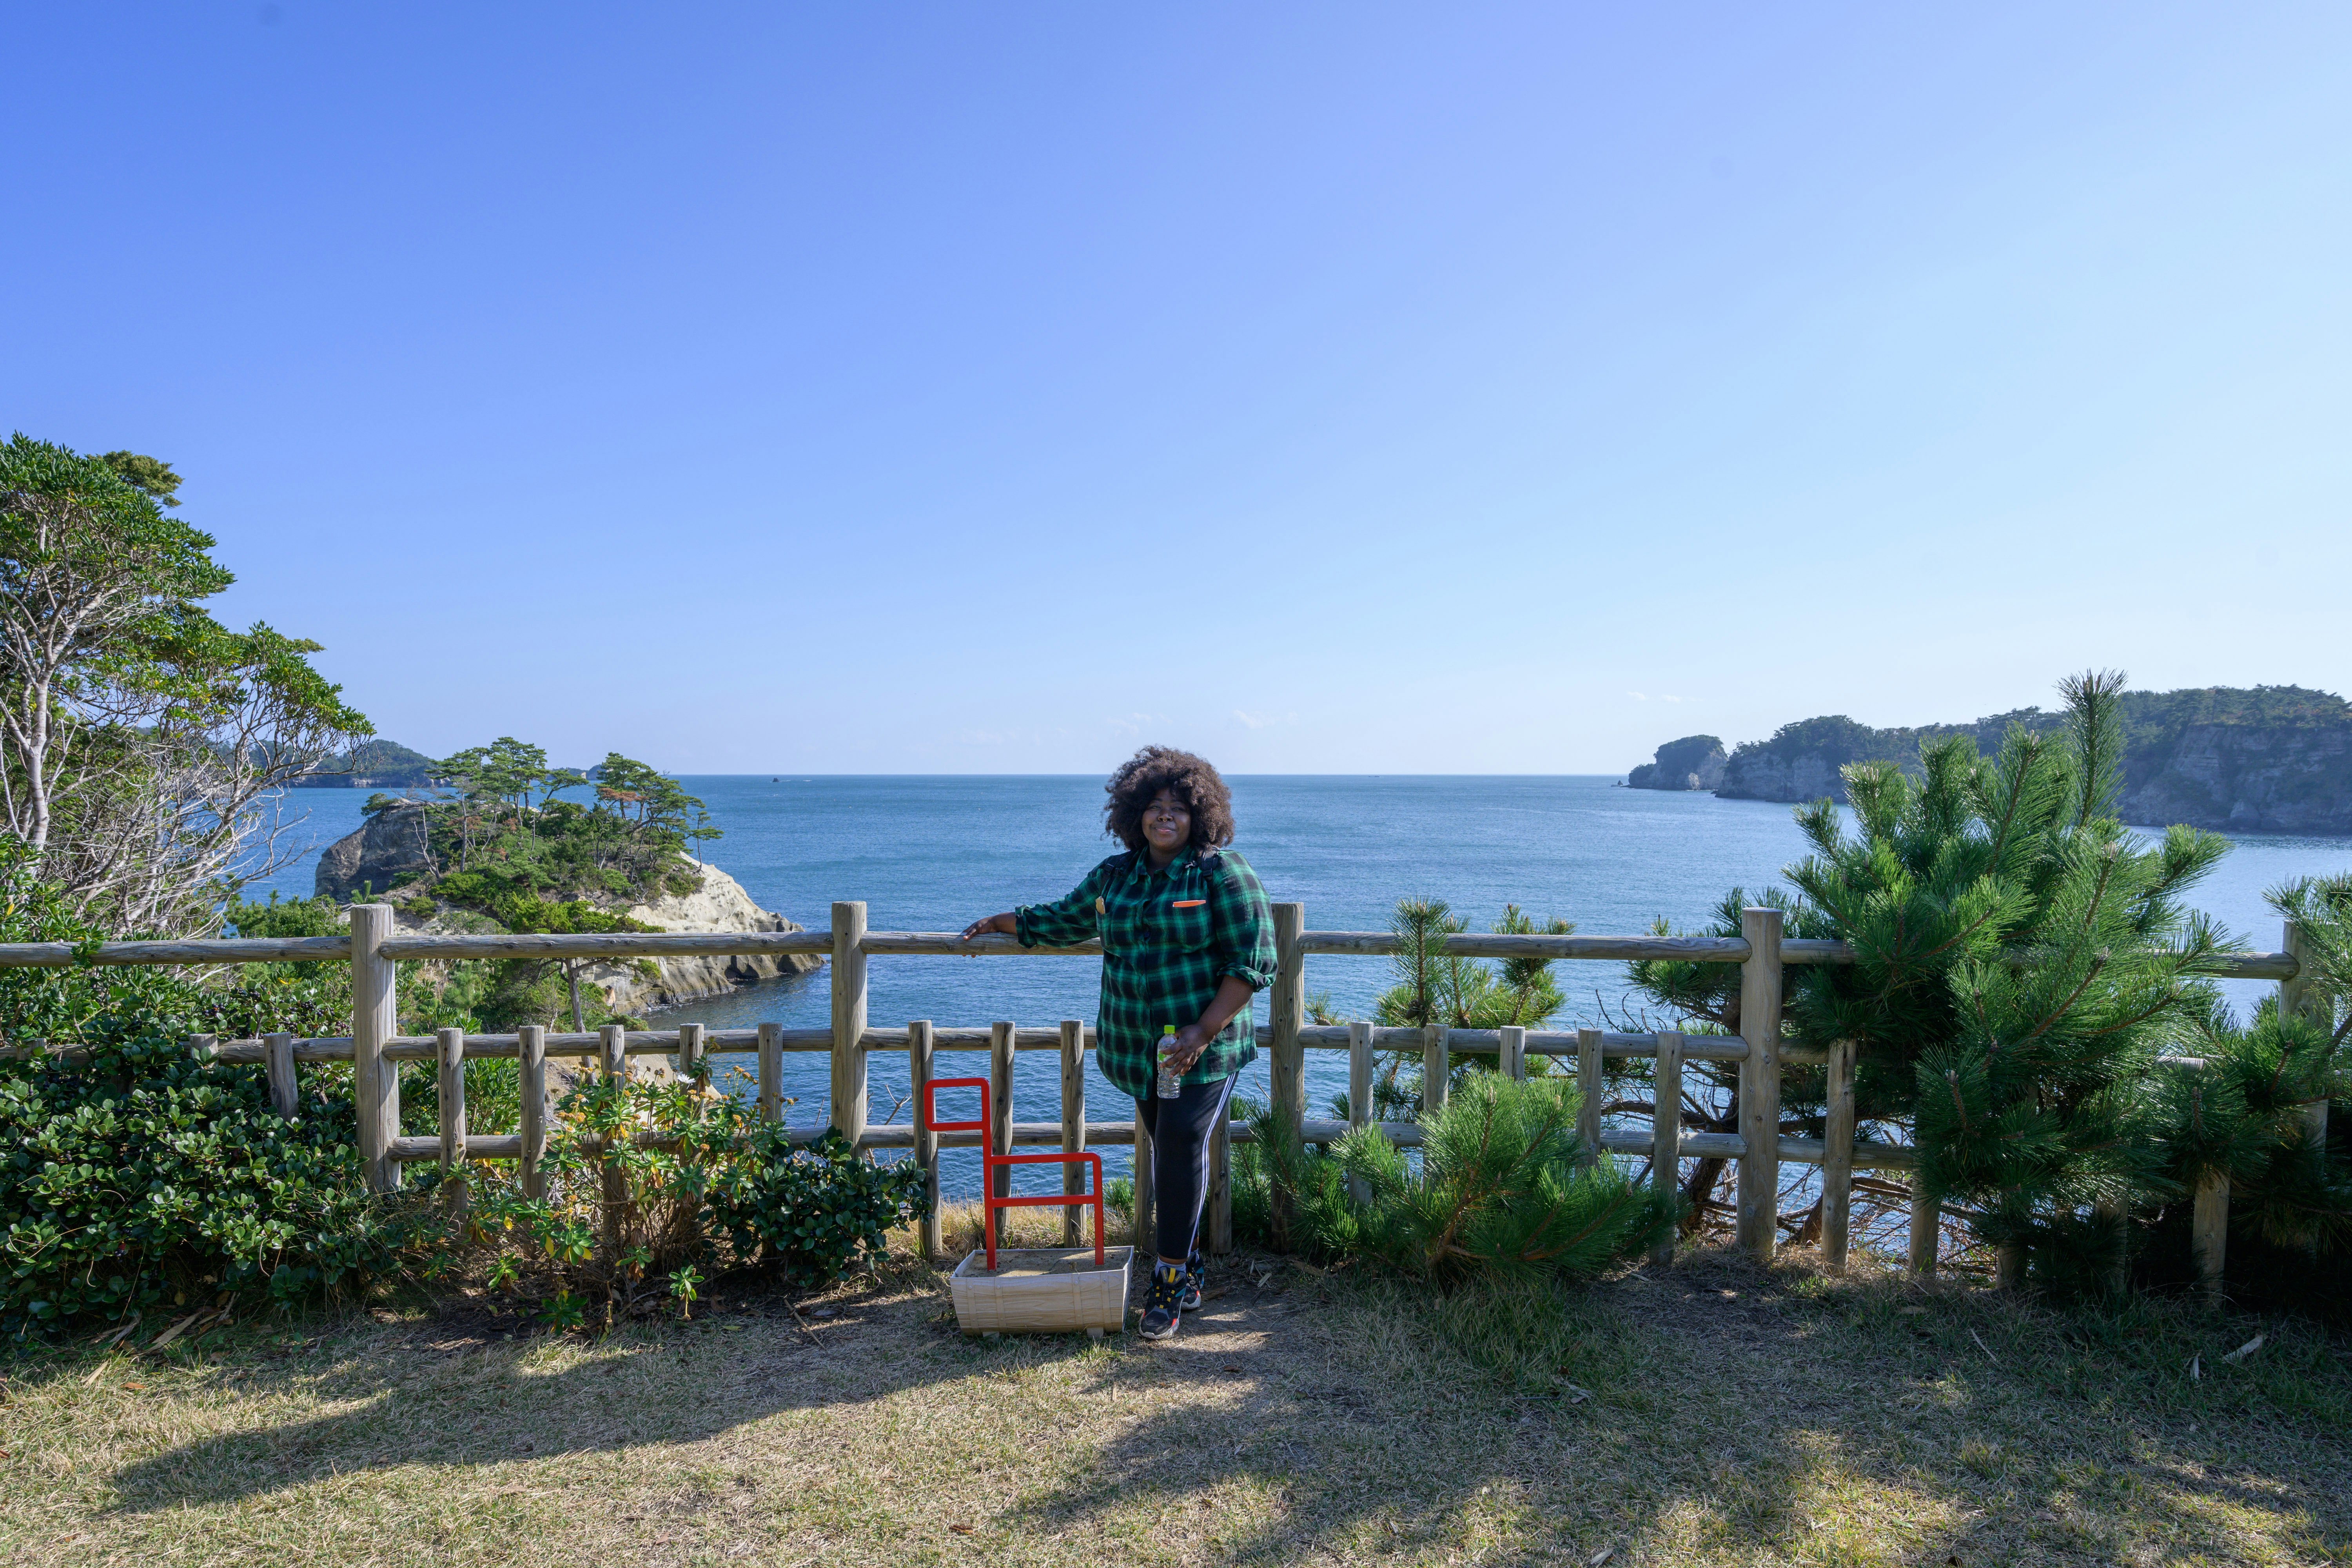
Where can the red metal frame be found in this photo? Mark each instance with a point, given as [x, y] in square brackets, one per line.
[989, 1160]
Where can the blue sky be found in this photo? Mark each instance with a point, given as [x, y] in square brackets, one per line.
[989, 388]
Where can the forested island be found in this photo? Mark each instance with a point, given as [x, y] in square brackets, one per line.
[371, 765]
[2266, 759]
[507, 843]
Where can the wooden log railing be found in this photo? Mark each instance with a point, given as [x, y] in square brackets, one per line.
[374, 950]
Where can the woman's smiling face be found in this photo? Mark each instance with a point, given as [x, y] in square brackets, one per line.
[1167, 824]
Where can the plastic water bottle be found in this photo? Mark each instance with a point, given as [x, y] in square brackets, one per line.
[1172, 1082]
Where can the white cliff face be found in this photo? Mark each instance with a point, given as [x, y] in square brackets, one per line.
[719, 904]
[635, 988]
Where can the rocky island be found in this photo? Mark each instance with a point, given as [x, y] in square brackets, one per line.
[1693, 762]
[2268, 759]
[504, 848]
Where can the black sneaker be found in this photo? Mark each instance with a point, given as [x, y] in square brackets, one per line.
[1196, 1273]
[1162, 1307]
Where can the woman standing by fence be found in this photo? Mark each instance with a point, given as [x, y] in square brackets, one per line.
[1187, 937]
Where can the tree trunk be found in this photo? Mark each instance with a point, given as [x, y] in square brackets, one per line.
[1705, 1175]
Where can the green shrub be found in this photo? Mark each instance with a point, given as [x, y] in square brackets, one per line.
[1497, 1192]
[148, 1181]
[714, 1185]
[139, 1180]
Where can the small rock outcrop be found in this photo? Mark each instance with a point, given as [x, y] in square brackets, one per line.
[390, 849]
[719, 904]
[634, 987]
[1693, 762]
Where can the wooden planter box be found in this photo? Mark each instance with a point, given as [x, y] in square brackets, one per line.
[1042, 1291]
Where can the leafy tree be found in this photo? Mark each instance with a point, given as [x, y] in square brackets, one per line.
[141, 741]
[655, 802]
[150, 474]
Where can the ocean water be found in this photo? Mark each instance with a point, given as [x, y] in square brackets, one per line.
[934, 853]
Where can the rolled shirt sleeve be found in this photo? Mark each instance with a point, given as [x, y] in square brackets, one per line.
[1244, 924]
[1070, 919]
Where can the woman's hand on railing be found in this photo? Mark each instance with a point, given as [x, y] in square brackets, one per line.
[1004, 923]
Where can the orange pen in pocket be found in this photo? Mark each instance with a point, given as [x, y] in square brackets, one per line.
[1188, 903]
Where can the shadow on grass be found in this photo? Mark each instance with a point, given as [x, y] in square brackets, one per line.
[468, 1384]
[1711, 1410]
[1739, 1412]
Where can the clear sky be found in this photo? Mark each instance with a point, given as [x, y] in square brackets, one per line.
[1331, 388]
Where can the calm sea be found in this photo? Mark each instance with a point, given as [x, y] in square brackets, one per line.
[934, 853]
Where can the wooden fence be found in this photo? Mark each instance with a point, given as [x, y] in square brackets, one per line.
[373, 949]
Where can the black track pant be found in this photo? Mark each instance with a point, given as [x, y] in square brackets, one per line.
[1180, 1131]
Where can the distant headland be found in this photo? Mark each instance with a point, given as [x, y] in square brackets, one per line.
[2268, 759]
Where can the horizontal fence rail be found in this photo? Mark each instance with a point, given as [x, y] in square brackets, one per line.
[196, 951]
[375, 947]
[820, 944]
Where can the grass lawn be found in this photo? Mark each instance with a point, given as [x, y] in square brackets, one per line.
[1712, 1413]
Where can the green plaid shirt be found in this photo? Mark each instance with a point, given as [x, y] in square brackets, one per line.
[1169, 939]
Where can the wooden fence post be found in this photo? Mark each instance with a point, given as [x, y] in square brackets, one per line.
[2009, 1266]
[1511, 1051]
[612, 1052]
[1837, 1158]
[277, 1054]
[2296, 1000]
[772, 1072]
[1286, 1066]
[1436, 1068]
[530, 1074]
[1587, 1089]
[2111, 1218]
[920, 1044]
[1926, 1229]
[1286, 1014]
[2209, 1223]
[1145, 1243]
[1759, 1083]
[1666, 1129]
[689, 1048]
[2208, 1235]
[375, 1019]
[449, 1084]
[1000, 1109]
[1360, 1095]
[849, 1022]
[1074, 1122]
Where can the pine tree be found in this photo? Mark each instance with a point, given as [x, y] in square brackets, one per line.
[2020, 962]
[2026, 981]
[1435, 987]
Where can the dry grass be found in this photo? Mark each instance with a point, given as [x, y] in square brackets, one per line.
[1733, 1416]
